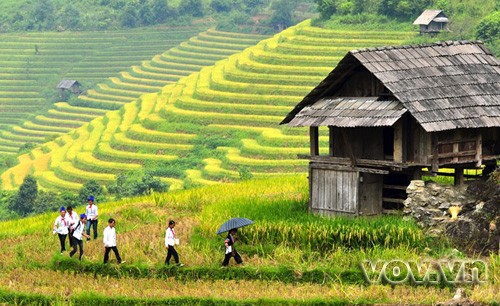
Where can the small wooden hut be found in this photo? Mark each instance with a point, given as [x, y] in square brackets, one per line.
[69, 86]
[432, 22]
[392, 111]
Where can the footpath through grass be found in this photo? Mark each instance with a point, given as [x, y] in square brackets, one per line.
[290, 256]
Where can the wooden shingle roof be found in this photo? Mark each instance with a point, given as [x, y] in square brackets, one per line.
[66, 84]
[350, 112]
[444, 86]
[430, 15]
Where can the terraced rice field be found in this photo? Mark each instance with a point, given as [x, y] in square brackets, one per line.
[32, 64]
[229, 111]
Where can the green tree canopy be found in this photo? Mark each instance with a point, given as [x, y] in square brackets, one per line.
[489, 27]
[24, 202]
[91, 188]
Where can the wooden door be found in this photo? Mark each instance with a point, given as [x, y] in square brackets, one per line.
[334, 191]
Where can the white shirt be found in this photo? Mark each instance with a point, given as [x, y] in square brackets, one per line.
[78, 230]
[72, 218]
[61, 225]
[169, 236]
[91, 212]
[109, 239]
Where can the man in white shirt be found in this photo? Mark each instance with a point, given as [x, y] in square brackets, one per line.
[92, 213]
[78, 234]
[109, 241]
[169, 244]
[61, 228]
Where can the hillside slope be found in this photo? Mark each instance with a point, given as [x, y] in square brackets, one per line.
[112, 58]
[216, 125]
[33, 64]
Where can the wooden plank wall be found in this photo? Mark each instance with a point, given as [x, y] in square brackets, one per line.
[334, 191]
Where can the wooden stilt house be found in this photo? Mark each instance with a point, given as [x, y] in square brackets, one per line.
[432, 22]
[392, 111]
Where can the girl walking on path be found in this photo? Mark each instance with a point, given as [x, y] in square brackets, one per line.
[61, 228]
[230, 250]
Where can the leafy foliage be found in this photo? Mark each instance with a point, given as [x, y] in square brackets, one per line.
[489, 27]
[24, 202]
[127, 185]
[91, 188]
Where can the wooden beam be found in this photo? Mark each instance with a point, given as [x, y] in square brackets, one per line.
[330, 141]
[392, 200]
[314, 140]
[459, 176]
[435, 152]
[398, 142]
[479, 149]
[314, 165]
[398, 187]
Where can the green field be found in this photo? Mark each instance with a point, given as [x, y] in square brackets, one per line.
[297, 257]
[229, 113]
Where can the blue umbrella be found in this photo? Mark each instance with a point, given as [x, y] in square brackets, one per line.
[233, 223]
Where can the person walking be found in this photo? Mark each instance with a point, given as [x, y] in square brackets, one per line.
[230, 250]
[110, 241]
[61, 228]
[92, 214]
[78, 234]
[72, 218]
[170, 241]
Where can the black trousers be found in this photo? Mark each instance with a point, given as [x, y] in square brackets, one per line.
[77, 243]
[228, 256]
[115, 250]
[92, 223]
[171, 252]
[62, 240]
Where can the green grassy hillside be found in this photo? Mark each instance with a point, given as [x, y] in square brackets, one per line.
[33, 64]
[297, 257]
[220, 124]
[110, 54]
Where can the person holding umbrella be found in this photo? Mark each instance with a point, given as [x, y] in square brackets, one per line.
[230, 249]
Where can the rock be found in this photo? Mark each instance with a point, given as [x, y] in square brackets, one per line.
[479, 207]
[444, 206]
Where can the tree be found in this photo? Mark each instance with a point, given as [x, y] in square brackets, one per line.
[129, 16]
[191, 8]
[47, 201]
[162, 11]
[149, 183]
[43, 15]
[221, 5]
[70, 17]
[91, 188]
[146, 15]
[326, 8]
[24, 202]
[488, 28]
[282, 16]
